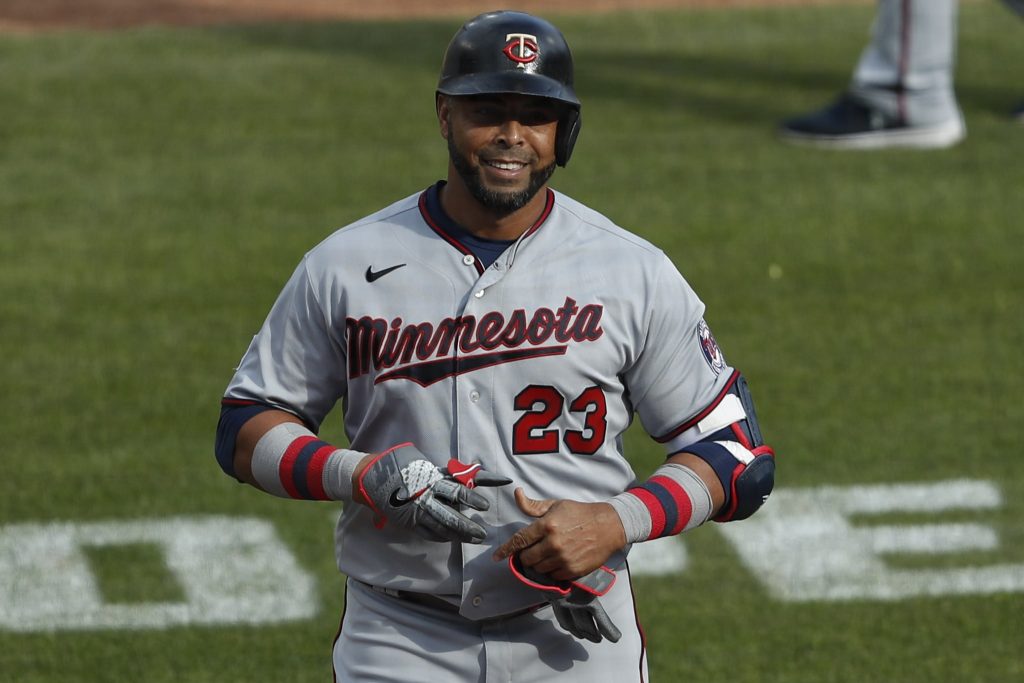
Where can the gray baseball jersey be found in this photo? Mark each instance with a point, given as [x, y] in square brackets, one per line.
[533, 366]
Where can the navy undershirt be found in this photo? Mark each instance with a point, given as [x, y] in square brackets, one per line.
[486, 251]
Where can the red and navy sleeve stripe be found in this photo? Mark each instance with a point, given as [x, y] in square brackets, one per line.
[669, 505]
[302, 468]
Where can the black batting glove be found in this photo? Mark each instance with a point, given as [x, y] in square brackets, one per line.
[575, 603]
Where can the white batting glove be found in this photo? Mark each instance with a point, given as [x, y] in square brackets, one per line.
[575, 603]
[406, 489]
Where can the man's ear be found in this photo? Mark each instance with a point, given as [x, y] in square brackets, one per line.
[443, 105]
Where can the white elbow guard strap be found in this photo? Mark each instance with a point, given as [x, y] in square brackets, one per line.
[291, 462]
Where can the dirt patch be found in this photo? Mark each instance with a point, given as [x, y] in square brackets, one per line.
[35, 15]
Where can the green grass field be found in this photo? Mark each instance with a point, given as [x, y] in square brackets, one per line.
[157, 186]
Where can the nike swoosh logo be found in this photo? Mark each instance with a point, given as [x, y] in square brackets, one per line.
[371, 275]
[395, 501]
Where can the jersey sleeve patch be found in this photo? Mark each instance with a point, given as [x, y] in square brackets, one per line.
[709, 347]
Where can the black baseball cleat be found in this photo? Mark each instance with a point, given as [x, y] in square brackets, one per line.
[850, 124]
[1016, 5]
[1018, 113]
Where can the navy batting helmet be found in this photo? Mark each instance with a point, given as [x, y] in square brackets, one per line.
[516, 53]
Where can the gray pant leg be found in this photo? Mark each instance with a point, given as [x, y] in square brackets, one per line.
[907, 68]
[1016, 5]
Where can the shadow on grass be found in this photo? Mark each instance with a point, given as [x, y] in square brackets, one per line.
[712, 86]
[734, 88]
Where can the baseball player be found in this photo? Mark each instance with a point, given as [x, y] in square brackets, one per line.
[490, 340]
[901, 93]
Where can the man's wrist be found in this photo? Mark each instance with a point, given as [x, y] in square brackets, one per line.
[357, 473]
[615, 523]
[633, 516]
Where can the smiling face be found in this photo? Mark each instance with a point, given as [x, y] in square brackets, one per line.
[501, 147]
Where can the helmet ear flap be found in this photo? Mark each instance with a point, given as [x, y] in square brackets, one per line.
[565, 138]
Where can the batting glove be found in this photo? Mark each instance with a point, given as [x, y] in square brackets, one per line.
[575, 603]
[406, 489]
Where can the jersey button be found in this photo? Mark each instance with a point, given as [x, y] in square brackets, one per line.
[477, 601]
[469, 259]
[478, 294]
[474, 396]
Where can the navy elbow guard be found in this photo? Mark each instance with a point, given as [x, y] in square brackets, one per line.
[233, 414]
[733, 446]
[750, 489]
[747, 479]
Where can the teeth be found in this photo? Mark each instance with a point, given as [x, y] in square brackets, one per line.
[506, 166]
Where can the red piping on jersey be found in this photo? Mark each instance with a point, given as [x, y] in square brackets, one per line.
[702, 414]
[639, 628]
[237, 402]
[549, 204]
[337, 636]
[463, 249]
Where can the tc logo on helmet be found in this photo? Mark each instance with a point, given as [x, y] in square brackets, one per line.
[521, 48]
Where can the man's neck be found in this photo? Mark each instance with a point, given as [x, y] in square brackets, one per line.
[463, 208]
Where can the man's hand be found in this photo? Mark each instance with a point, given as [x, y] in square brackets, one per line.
[568, 540]
[406, 489]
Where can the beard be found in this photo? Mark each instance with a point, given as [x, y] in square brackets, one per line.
[500, 202]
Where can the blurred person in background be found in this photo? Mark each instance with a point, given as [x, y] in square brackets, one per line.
[901, 93]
